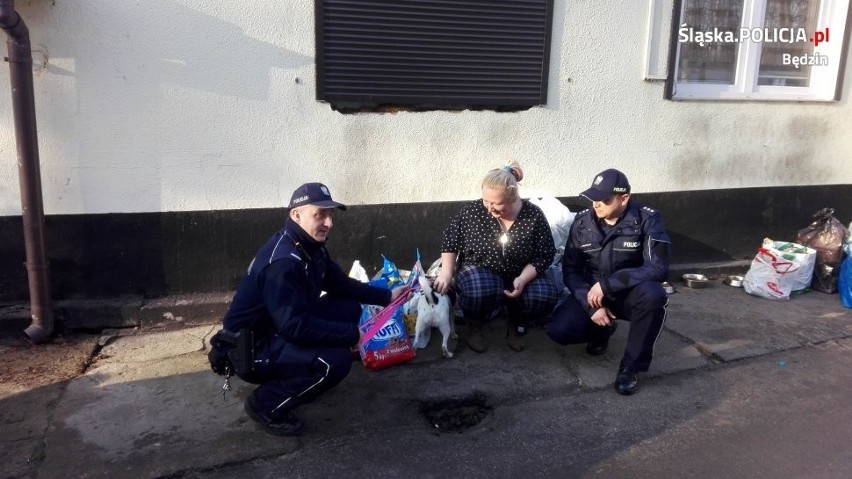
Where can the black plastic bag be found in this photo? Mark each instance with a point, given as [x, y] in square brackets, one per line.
[825, 235]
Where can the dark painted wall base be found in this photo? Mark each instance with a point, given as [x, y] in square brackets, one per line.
[154, 254]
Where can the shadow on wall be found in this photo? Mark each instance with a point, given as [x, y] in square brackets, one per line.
[133, 139]
[122, 69]
[168, 43]
[557, 33]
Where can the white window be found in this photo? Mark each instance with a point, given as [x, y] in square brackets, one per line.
[789, 50]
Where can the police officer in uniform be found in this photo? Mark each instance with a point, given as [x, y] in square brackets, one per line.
[303, 342]
[615, 259]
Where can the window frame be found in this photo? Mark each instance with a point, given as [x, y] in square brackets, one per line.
[825, 82]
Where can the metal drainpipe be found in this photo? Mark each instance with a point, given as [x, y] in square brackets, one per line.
[29, 175]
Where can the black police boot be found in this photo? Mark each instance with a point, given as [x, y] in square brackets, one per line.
[285, 425]
[626, 382]
[598, 346]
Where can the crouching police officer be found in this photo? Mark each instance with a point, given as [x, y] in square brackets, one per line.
[278, 332]
[616, 256]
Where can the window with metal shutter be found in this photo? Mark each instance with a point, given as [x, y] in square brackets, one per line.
[433, 53]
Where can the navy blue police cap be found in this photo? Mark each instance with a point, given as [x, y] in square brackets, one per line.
[314, 194]
[607, 183]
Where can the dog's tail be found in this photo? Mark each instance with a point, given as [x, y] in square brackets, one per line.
[428, 292]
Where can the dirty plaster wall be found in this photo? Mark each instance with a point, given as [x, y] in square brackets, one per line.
[189, 105]
[171, 134]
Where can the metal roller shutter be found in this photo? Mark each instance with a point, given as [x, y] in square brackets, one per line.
[433, 53]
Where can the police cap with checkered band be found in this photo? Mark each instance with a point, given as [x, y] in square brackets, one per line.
[607, 183]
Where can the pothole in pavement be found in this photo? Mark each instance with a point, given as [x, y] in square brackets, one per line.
[456, 414]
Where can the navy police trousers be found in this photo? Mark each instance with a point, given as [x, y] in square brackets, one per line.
[291, 375]
[644, 306]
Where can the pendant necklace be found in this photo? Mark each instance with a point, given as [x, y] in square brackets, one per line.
[504, 238]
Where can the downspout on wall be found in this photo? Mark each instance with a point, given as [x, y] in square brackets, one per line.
[29, 174]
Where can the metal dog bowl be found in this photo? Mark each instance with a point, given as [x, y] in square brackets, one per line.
[695, 281]
[668, 287]
[734, 280]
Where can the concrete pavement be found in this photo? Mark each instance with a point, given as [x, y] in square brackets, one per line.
[740, 387]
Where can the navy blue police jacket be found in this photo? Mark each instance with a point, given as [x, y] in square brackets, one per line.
[282, 287]
[634, 250]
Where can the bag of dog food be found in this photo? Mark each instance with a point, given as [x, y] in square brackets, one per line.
[390, 276]
[385, 342]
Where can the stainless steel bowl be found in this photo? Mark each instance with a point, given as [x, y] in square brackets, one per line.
[695, 281]
[668, 287]
[734, 280]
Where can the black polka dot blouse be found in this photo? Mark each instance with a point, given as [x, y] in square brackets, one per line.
[474, 235]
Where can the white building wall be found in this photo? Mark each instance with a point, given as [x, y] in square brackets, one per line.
[179, 105]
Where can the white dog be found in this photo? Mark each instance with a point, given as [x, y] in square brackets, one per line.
[433, 310]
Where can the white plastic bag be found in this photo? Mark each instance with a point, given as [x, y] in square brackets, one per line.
[559, 217]
[779, 268]
[358, 272]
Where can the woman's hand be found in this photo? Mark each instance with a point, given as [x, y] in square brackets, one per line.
[528, 274]
[518, 285]
[443, 282]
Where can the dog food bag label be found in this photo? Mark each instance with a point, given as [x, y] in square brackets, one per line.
[391, 344]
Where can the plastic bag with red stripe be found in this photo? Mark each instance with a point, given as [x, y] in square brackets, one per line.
[778, 269]
[385, 342]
